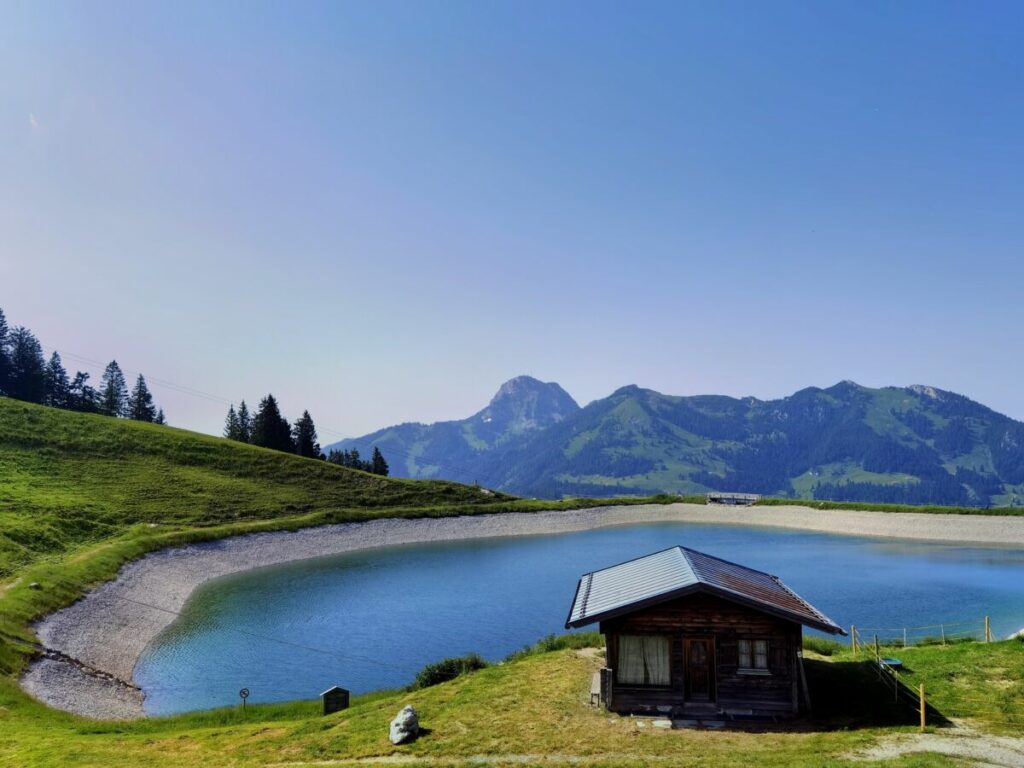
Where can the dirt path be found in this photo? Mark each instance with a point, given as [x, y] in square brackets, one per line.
[962, 741]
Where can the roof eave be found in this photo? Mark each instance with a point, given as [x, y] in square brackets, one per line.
[632, 607]
[833, 629]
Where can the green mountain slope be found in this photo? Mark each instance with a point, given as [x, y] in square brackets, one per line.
[900, 445]
[522, 407]
[68, 478]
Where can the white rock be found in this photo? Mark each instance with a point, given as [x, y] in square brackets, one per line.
[406, 726]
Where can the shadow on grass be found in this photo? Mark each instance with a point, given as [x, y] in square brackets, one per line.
[848, 695]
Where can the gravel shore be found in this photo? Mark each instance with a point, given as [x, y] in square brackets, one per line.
[108, 629]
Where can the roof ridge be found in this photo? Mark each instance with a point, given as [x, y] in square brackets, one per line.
[727, 562]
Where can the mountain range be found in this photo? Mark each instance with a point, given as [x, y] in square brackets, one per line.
[916, 445]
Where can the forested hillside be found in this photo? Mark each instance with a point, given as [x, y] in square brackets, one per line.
[848, 442]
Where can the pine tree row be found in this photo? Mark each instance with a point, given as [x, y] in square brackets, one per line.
[26, 375]
[352, 460]
[267, 428]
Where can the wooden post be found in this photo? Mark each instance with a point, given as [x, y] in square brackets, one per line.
[878, 654]
[942, 629]
[920, 691]
[853, 638]
[904, 637]
[988, 631]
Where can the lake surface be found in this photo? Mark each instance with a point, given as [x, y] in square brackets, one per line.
[373, 619]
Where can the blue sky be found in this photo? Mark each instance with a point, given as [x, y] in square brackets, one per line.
[380, 211]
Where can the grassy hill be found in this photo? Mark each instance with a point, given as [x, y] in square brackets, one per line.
[533, 711]
[902, 445]
[70, 478]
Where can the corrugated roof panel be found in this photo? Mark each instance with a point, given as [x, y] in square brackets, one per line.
[630, 582]
[613, 591]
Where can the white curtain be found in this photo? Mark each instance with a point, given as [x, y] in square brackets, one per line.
[656, 658]
[644, 660]
[631, 660]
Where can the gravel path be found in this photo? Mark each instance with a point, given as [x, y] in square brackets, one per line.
[109, 628]
[962, 742]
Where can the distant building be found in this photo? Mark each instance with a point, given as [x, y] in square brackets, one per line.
[693, 635]
[733, 499]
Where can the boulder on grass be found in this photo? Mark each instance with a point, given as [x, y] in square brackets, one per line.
[406, 726]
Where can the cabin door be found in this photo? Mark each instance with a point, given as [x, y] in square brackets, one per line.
[700, 675]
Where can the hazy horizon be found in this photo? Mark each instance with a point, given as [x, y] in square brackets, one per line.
[380, 212]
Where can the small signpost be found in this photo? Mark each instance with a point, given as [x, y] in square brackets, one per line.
[334, 699]
[243, 695]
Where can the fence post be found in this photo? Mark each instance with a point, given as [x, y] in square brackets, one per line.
[853, 638]
[988, 631]
[904, 637]
[920, 690]
[942, 628]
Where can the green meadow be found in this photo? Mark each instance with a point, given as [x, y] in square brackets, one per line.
[80, 495]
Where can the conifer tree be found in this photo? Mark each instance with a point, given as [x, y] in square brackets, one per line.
[140, 405]
[231, 429]
[244, 423]
[5, 360]
[113, 391]
[160, 419]
[377, 464]
[81, 396]
[270, 429]
[304, 437]
[27, 375]
[58, 388]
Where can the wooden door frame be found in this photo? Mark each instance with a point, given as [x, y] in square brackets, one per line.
[712, 670]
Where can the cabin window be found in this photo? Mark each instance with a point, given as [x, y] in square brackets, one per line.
[753, 656]
[644, 660]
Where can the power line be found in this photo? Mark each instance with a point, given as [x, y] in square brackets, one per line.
[170, 385]
[198, 393]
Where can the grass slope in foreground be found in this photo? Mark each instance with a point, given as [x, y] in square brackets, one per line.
[530, 711]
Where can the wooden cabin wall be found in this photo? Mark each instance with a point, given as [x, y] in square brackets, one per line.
[726, 622]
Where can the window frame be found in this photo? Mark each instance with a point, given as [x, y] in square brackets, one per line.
[752, 655]
[669, 640]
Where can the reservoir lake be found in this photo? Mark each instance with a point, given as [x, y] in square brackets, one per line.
[373, 619]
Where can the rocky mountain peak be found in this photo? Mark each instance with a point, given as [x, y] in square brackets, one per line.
[524, 403]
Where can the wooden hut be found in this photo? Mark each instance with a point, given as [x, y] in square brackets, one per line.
[692, 635]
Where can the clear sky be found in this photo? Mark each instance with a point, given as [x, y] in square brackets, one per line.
[380, 211]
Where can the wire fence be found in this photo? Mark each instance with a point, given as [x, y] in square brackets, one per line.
[995, 704]
[929, 634]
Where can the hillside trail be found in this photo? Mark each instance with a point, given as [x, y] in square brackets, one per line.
[962, 741]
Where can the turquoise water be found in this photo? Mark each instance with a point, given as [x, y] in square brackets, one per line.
[373, 619]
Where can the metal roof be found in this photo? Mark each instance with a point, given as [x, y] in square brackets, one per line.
[674, 572]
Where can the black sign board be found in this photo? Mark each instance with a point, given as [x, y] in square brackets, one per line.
[334, 699]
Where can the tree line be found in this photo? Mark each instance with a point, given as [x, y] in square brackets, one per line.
[26, 374]
[267, 428]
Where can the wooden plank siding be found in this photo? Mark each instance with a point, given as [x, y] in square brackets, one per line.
[725, 623]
